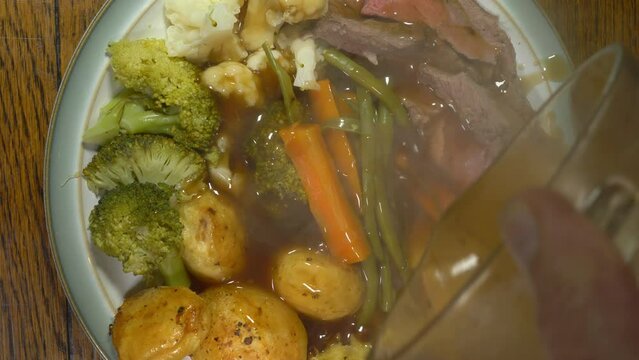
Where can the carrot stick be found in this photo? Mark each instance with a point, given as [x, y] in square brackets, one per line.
[342, 229]
[323, 102]
[325, 109]
[418, 238]
[428, 204]
[345, 161]
[433, 196]
[435, 201]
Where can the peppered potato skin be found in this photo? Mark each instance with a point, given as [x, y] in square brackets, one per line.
[160, 323]
[213, 247]
[250, 323]
[317, 284]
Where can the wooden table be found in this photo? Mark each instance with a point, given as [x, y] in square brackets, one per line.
[37, 39]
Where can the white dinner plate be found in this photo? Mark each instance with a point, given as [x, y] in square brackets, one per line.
[94, 283]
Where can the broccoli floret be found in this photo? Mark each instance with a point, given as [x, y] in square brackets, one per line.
[137, 224]
[131, 113]
[143, 158]
[275, 174]
[180, 106]
[108, 125]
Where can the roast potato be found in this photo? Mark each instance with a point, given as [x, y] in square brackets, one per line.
[250, 323]
[317, 284]
[160, 323]
[214, 238]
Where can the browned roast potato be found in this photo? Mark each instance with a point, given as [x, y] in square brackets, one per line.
[214, 238]
[318, 285]
[160, 323]
[250, 323]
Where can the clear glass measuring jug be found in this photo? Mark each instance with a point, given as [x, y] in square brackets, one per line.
[467, 299]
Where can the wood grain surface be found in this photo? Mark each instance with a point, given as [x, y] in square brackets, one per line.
[586, 26]
[37, 39]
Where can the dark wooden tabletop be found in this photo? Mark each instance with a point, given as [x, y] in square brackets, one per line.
[37, 39]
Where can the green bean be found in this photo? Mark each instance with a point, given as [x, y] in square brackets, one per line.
[352, 105]
[364, 78]
[384, 210]
[388, 295]
[367, 126]
[343, 123]
[292, 106]
[384, 133]
[368, 161]
[369, 268]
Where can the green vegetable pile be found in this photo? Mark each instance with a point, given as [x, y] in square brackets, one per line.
[274, 171]
[163, 96]
[150, 137]
[157, 138]
[275, 175]
[136, 224]
[143, 158]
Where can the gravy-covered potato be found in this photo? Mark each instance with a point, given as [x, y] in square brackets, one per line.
[249, 323]
[160, 323]
[318, 285]
[213, 238]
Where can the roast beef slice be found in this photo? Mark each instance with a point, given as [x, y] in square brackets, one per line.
[392, 41]
[368, 37]
[470, 29]
[456, 151]
[487, 25]
[488, 114]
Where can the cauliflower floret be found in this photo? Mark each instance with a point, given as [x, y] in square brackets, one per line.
[306, 59]
[231, 78]
[264, 18]
[298, 41]
[296, 11]
[187, 13]
[257, 61]
[203, 30]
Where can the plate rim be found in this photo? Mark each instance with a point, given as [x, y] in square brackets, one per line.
[53, 248]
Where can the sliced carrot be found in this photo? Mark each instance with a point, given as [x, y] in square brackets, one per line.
[418, 239]
[434, 201]
[427, 203]
[402, 160]
[325, 109]
[446, 196]
[323, 102]
[345, 162]
[433, 196]
[329, 205]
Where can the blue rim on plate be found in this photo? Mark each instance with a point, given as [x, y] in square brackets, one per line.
[63, 155]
